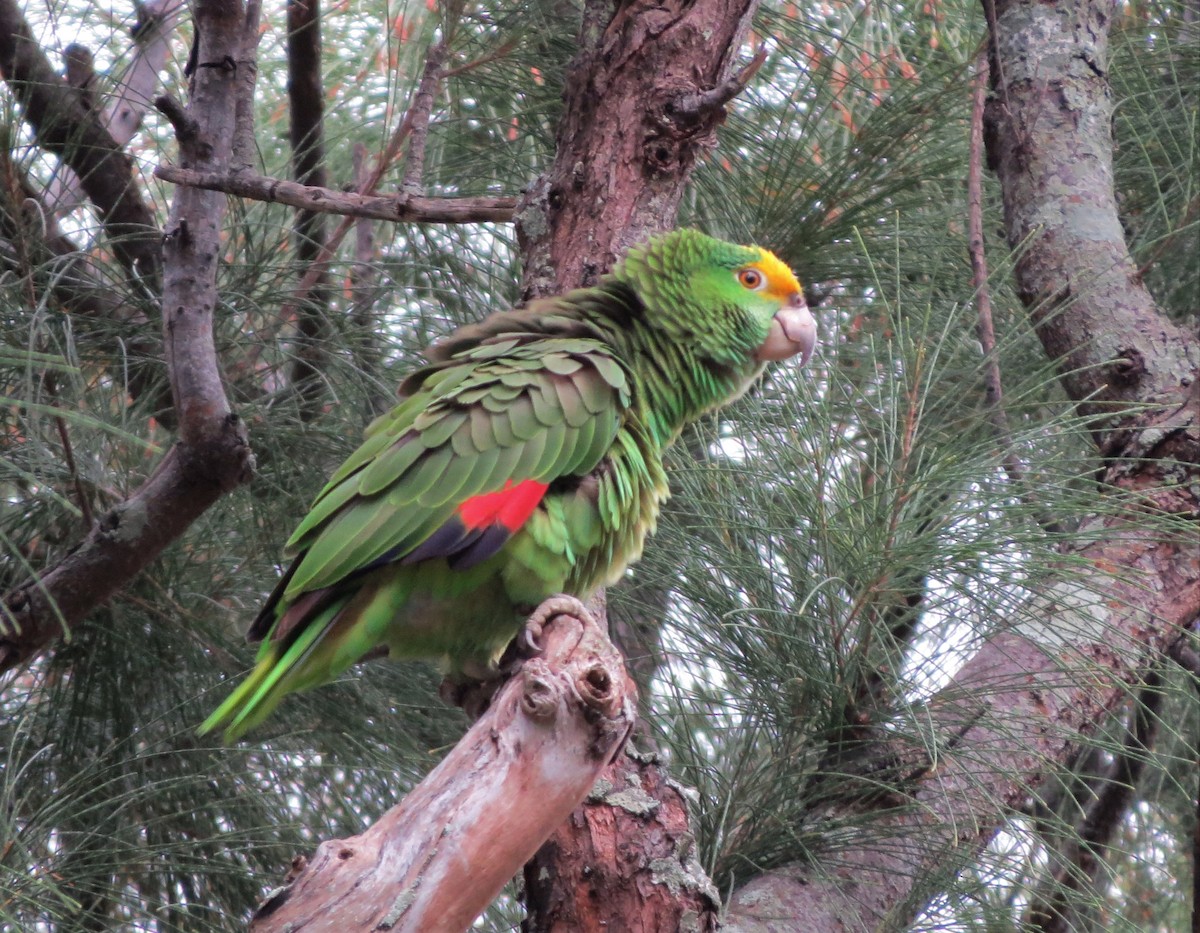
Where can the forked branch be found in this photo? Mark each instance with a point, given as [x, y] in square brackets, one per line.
[437, 860]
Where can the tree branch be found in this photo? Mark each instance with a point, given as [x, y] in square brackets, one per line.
[122, 111]
[434, 862]
[211, 456]
[397, 208]
[421, 109]
[62, 124]
[1048, 131]
[306, 110]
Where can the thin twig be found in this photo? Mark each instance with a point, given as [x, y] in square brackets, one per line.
[501, 52]
[702, 102]
[85, 506]
[419, 114]
[985, 328]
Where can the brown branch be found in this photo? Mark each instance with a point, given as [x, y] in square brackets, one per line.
[308, 281]
[1048, 129]
[985, 328]
[398, 208]
[306, 109]
[74, 280]
[122, 110]
[437, 860]
[1082, 861]
[211, 456]
[85, 504]
[64, 126]
[1034, 700]
[77, 284]
[364, 288]
[419, 113]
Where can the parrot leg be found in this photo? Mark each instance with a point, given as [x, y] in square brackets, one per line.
[473, 688]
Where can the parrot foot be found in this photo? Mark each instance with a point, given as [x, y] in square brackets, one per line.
[528, 643]
[473, 688]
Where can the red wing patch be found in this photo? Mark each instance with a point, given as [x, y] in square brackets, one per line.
[510, 506]
[480, 526]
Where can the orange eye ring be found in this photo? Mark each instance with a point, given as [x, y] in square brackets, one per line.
[752, 279]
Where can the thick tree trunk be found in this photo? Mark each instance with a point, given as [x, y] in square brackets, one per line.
[1022, 705]
[644, 96]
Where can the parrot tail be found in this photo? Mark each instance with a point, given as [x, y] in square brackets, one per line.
[281, 669]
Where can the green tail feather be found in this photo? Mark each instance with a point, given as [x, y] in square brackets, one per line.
[272, 679]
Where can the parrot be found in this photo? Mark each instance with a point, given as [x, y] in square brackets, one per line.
[525, 460]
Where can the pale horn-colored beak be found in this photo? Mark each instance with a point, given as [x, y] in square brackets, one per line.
[793, 331]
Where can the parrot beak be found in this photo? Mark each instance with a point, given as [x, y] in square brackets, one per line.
[793, 331]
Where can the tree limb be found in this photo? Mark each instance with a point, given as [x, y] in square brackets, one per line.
[396, 208]
[211, 456]
[1048, 131]
[62, 124]
[306, 112]
[434, 862]
[121, 111]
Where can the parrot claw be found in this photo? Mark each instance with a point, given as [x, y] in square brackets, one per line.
[560, 605]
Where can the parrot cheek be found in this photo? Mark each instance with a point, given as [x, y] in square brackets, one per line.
[793, 331]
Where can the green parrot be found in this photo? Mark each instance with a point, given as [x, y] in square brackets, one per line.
[525, 460]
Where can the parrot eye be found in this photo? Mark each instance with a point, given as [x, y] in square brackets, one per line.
[752, 279]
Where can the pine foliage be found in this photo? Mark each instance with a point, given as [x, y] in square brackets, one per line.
[839, 541]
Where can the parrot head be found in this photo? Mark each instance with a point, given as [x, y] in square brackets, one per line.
[736, 305]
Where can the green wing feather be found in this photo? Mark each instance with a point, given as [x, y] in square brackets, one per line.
[497, 419]
[519, 404]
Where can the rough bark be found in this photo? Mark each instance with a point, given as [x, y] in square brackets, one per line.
[625, 860]
[211, 455]
[1048, 130]
[434, 862]
[1024, 703]
[644, 95]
